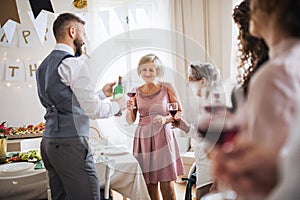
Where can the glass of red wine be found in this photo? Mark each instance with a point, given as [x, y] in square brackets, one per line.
[172, 108]
[131, 95]
[218, 131]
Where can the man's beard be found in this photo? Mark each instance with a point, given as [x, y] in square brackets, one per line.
[78, 46]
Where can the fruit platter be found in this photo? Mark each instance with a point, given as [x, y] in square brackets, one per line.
[29, 131]
[28, 156]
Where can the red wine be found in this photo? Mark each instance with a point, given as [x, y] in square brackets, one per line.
[131, 94]
[214, 108]
[218, 136]
[173, 112]
[217, 95]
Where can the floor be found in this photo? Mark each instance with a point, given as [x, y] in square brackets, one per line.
[179, 189]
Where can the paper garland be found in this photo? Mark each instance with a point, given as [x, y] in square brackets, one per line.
[38, 5]
[9, 10]
[39, 20]
[20, 71]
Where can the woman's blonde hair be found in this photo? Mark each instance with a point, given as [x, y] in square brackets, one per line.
[152, 58]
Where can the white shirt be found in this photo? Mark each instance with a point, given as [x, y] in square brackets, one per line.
[74, 72]
[203, 164]
[289, 164]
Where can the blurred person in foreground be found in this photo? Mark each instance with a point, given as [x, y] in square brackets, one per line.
[154, 144]
[67, 93]
[249, 165]
[252, 53]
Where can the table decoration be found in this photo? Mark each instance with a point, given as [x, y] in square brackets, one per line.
[4, 131]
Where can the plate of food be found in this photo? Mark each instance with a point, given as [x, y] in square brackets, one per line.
[16, 167]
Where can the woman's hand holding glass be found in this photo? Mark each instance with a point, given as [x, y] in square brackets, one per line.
[219, 130]
[131, 102]
[172, 108]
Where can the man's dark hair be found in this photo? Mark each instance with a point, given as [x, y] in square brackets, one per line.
[62, 23]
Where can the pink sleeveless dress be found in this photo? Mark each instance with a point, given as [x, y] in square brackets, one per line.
[155, 145]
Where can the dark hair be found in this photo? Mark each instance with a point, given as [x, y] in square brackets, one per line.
[62, 23]
[286, 12]
[253, 51]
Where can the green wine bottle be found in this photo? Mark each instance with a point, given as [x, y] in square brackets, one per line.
[118, 92]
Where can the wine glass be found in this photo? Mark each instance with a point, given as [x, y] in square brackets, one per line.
[172, 108]
[215, 102]
[132, 94]
[219, 131]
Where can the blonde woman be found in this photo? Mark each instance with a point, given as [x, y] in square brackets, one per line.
[155, 145]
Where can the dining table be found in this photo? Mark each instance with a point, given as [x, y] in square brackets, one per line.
[125, 175]
[116, 167]
[23, 180]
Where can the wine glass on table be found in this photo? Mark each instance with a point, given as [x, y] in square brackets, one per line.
[172, 108]
[131, 95]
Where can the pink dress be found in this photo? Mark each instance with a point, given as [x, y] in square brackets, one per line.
[155, 145]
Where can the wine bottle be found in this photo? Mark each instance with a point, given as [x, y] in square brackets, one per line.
[118, 92]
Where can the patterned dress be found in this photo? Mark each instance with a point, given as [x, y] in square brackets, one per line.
[155, 145]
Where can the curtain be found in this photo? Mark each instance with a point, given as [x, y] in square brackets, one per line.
[202, 31]
[205, 27]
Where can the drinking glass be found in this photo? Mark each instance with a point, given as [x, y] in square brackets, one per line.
[218, 131]
[131, 95]
[172, 108]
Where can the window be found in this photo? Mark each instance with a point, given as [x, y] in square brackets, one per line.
[116, 50]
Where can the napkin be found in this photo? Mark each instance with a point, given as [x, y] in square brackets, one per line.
[39, 165]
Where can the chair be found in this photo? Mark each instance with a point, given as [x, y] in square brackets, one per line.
[191, 180]
[96, 139]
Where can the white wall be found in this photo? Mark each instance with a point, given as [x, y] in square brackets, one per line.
[19, 104]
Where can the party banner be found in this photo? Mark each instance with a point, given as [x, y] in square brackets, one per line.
[30, 70]
[8, 10]
[38, 5]
[121, 15]
[40, 25]
[9, 29]
[145, 6]
[104, 15]
[14, 71]
[3, 39]
[26, 38]
[132, 9]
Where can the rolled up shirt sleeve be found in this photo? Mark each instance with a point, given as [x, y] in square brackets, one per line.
[75, 73]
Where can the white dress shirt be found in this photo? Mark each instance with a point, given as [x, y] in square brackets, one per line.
[74, 72]
[203, 164]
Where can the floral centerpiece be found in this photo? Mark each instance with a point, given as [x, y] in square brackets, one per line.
[4, 131]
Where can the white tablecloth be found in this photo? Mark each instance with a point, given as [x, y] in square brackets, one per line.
[127, 177]
[27, 184]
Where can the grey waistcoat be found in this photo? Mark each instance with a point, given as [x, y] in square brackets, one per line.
[64, 116]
